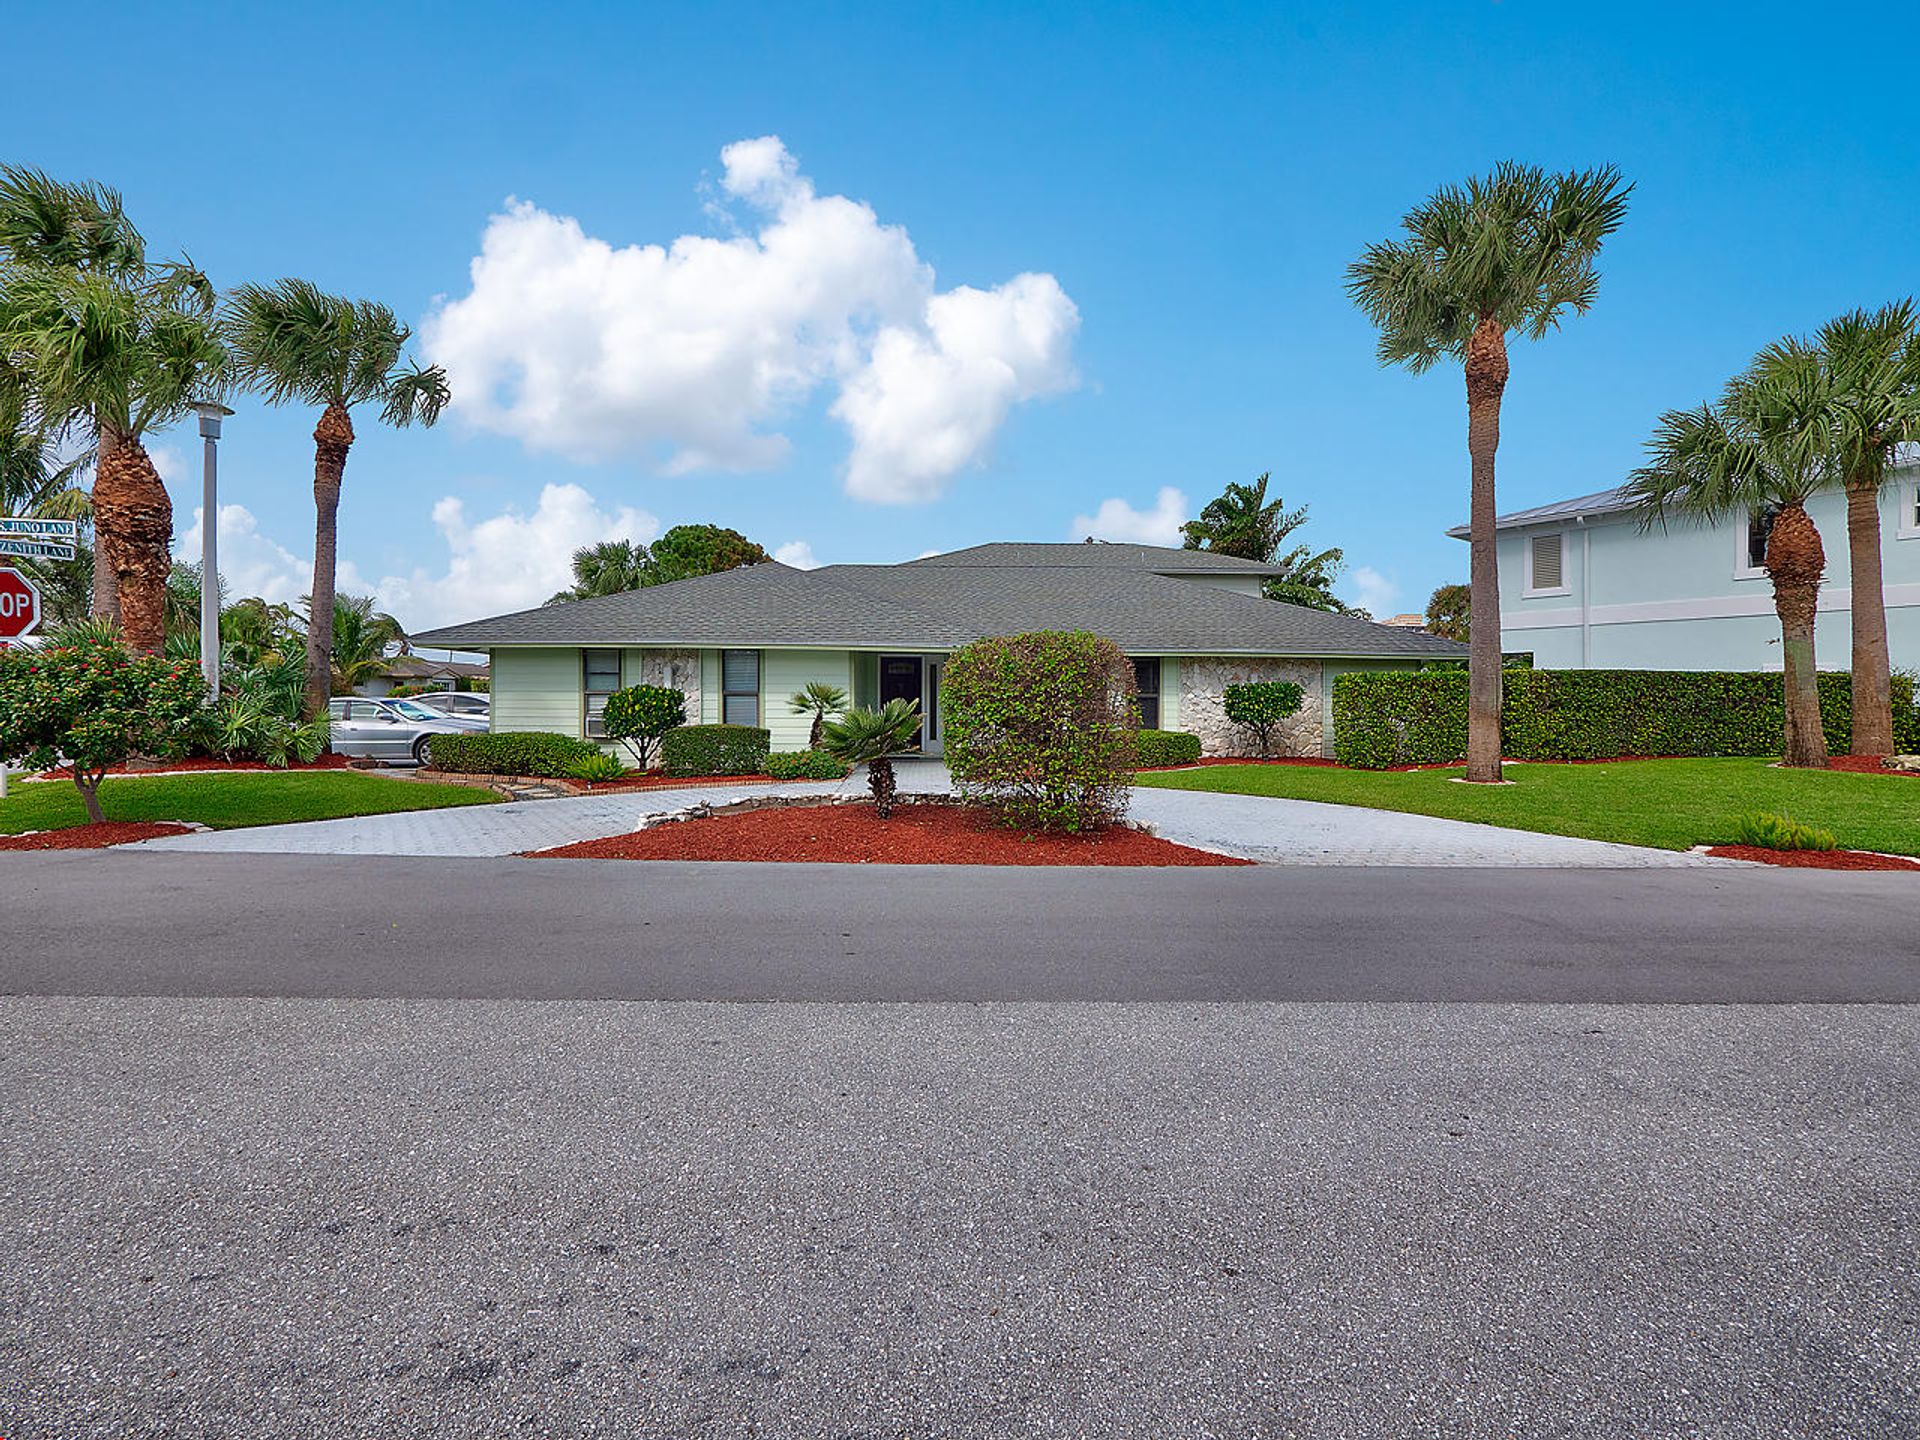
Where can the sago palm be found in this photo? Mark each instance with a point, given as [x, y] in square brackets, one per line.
[1871, 364]
[120, 357]
[872, 738]
[1508, 253]
[820, 700]
[1763, 446]
[294, 342]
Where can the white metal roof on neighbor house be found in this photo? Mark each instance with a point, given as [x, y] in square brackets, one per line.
[1601, 502]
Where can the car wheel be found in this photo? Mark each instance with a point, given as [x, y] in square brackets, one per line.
[420, 749]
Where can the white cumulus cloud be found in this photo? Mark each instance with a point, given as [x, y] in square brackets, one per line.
[510, 561]
[1117, 520]
[798, 554]
[253, 563]
[1372, 591]
[690, 353]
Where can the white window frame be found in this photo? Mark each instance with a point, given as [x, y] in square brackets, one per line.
[1529, 590]
[587, 717]
[1743, 569]
[758, 692]
[1908, 491]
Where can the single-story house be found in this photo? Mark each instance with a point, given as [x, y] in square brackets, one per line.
[740, 642]
[419, 670]
[1585, 585]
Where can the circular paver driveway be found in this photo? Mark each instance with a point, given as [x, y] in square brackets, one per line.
[1288, 832]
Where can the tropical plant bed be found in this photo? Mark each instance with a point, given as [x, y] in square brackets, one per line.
[1814, 859]
[93, 837]
[197, 764]
[918, 834]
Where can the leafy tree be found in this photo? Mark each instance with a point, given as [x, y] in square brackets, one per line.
[872, 738]
[1869, 377]
[640, 714]
[1043, 727]
[689, 550]
[292, 341]
[117, 351]
[611, 567]
[93, 706]
[1511, 252]
[820, 700]
[1450, 612]
[1763, 446]
[1260, 705]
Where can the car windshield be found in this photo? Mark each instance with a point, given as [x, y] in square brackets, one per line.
[413, 711]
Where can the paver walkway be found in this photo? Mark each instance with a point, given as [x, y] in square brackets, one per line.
[1291, 832]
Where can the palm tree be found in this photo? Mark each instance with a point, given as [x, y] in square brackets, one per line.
[357, 648]
[121, 356]
[611, 567]
[1509, 252]
[293, 341]
[1242, 522]
[52, 224]
[1763, 446]
[1871, 361]
[872, 738]
[820, 700]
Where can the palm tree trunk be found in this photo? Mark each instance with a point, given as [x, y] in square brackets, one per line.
[332, 438]
[1872, 699]
[133, 525]
[1796, 560]
[880, 780]
[106, 594]
[1486, 367]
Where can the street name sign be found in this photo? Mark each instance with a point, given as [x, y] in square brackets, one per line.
[38, 528]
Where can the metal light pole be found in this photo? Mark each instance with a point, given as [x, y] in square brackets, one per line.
[210, 417]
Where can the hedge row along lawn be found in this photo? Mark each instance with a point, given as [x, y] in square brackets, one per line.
[1670, 804]
[226, 802]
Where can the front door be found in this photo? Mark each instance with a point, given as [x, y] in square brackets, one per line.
[900, 680]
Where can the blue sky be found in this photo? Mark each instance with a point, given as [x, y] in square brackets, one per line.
[1187, 187]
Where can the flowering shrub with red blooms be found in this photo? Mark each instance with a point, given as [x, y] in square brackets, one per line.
[92, 706]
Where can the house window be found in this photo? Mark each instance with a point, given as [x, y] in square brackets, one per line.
[1546, 567]
[1759, 531]
[740, 687]
[601, 671]
[1146, 678]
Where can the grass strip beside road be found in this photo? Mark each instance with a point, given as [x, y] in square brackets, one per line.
[1669, 804]
[227, 802]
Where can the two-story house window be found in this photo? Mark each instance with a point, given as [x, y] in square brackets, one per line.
[1546, 564]
[1759, 530]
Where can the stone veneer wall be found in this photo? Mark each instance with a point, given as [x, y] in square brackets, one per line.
[1203, 689]
[675, 669]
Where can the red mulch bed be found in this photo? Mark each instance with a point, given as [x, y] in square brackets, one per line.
[852, 835]
[1814, 859]
[1866, 765]
[92, 837]
[329, 761]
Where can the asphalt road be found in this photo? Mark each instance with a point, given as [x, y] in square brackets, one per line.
[95, 923]
[1135, 1185]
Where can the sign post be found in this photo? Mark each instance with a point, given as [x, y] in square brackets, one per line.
[19, 613]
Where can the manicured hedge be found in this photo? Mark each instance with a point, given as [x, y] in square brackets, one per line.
[509, 752]
[1166, 747]
[714, 750]
[806, 765]
[1420, 717]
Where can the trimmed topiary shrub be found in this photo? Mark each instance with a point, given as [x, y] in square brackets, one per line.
[510, 752]
[1260, 705]
[1155, 748]
[640, 714]
[715, 750]
[1042, 728]
[806, 765]
[1420, 717]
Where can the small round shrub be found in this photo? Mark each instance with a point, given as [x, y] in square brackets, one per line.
[597, 767]
[806, 765]
[1157, 748]
[1262, 704]
[640, 714]
[1042, 728]
[1781, 832]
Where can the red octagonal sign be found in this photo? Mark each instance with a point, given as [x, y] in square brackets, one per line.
[19, 605]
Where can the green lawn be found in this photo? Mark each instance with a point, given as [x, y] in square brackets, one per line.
[1673, 804]
[228, 801]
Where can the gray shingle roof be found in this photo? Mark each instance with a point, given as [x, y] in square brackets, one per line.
[1102, 554]
[936, 607]
[1601, 502]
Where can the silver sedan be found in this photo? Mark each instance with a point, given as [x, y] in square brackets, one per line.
[387, 729]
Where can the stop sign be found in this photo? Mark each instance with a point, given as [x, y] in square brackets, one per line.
[19, 604]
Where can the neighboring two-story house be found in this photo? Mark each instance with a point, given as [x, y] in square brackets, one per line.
[1584, 585]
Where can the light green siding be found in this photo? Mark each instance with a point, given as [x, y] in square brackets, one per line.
[1169, 694]
[782, 672]
[537, 689]
[709, 687]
